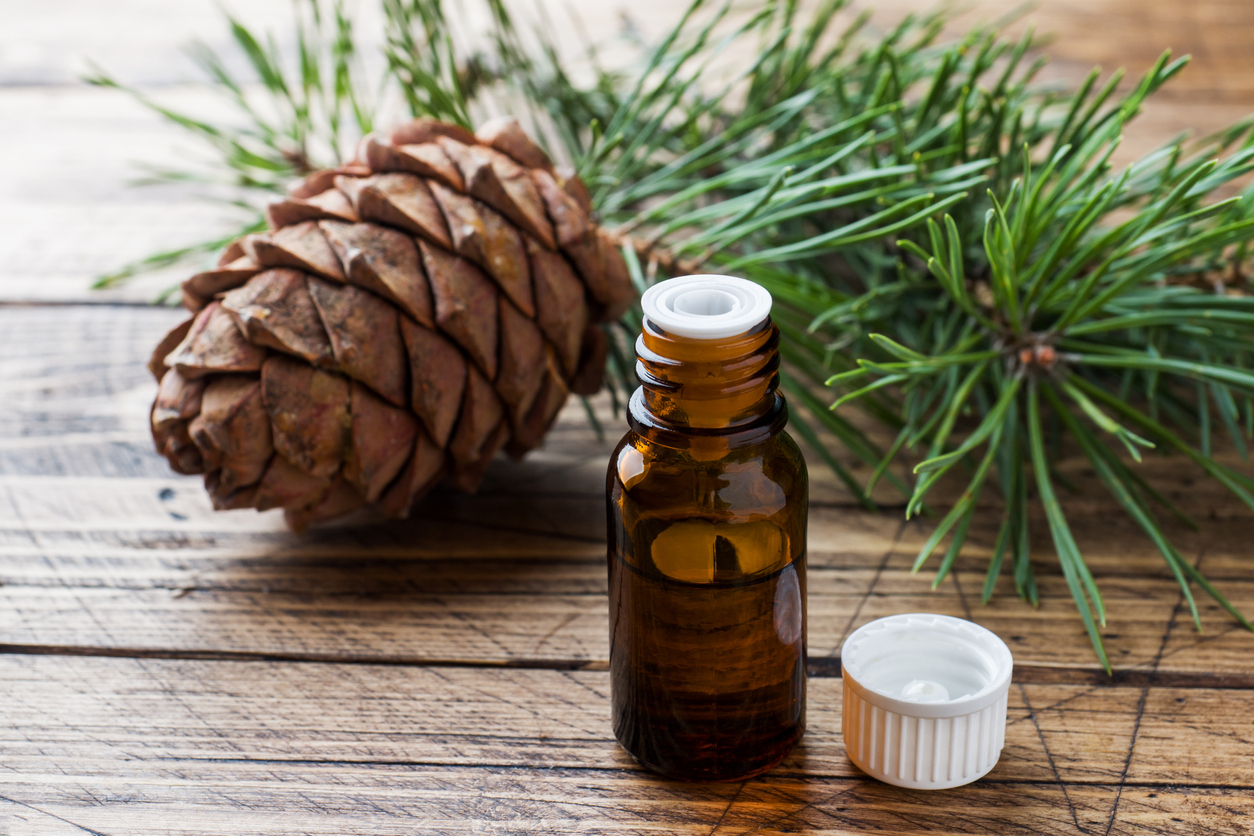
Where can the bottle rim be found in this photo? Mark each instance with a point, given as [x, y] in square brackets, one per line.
[706, 307]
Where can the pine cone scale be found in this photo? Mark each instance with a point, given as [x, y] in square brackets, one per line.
[438, 378]
[303, 247]
[167, 344]
[398, 200]
[522, 361]
[423, 470]
[233, 424]
[203, 287]
[329, 205]
[309, 414]
[563, 311]
[479, 434]
[427, 160]
[501, 183]
[178, 402]
[508, 137]
[274, 309]
[365, 336]
[382, 441]
[485, 237]
[465, 305]
[284, 485]
[213, 344]
[384, 262]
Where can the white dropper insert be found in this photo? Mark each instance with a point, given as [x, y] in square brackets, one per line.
[925, 690]
[706, 307]
[925, 699]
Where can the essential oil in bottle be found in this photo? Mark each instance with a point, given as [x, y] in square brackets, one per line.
[707, 504]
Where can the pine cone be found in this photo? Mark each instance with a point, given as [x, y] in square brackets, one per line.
[409, 314]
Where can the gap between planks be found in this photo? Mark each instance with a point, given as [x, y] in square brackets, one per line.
[817, 667]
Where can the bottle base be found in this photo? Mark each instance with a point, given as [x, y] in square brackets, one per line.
[712, 776]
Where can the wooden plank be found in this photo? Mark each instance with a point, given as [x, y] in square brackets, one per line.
[77, 395]
[75, 390]
[1114, 33]
[1220, 725]
[460, 614]
[69, 212]
[137, 565]
[518, 575]
[188, 744]
[45, 43]
[420, 800]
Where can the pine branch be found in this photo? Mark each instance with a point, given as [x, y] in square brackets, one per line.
[1082, 297]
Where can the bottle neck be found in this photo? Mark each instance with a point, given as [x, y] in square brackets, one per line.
[708, 395]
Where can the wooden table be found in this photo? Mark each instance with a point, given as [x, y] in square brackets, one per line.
[168, 670]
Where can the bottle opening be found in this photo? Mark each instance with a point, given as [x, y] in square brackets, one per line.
[706, 303]
[706, 307]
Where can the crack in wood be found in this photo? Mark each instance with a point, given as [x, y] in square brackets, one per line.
[301, 658]
[727, 809]
[818, 667]
[81, 827]
[1140, 705]
[1075, 817]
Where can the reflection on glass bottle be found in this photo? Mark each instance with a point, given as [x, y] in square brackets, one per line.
[707, 513]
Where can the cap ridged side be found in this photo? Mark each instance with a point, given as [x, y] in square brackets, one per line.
[925, 753]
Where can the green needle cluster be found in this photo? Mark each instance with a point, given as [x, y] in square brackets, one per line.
[947, 242]
[1097, 301]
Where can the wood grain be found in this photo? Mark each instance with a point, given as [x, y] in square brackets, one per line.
[435, 801]
[144, 564]
[376, 747]
[462, 605]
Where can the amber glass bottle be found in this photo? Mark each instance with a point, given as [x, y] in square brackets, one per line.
[707, 504]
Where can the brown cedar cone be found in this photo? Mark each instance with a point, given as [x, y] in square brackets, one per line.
[409, 314]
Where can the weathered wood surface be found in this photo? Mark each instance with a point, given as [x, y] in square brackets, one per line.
[171, 670]
[304, 737]
[168, 670]
[484, 579]
[355, 748]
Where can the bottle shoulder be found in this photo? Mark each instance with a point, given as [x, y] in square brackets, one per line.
[762, 480]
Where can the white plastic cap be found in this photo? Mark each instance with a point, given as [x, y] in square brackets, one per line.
[706, 307]
[925, 700]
